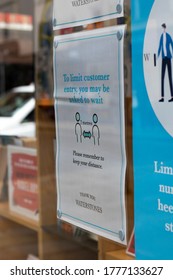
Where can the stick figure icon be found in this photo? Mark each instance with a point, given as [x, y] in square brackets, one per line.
[95, 130]
[78, 128]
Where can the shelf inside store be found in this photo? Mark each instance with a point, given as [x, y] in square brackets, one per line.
[118, 255]
[5, 212]
[80, 237]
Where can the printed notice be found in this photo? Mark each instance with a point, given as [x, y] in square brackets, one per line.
[89, 106]
[71, 13]
[23, 187]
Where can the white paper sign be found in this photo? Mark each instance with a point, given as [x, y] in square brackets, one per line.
[68, 13]
[89, 106]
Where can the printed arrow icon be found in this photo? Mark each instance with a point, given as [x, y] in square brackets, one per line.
[87, 134]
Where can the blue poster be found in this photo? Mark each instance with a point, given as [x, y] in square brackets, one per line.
[152, 77]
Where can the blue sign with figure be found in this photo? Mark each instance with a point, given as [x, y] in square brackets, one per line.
[152, 51]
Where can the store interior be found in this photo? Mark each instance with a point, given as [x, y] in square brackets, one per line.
[26, 85]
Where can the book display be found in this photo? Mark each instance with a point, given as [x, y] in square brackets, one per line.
[22, 181]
